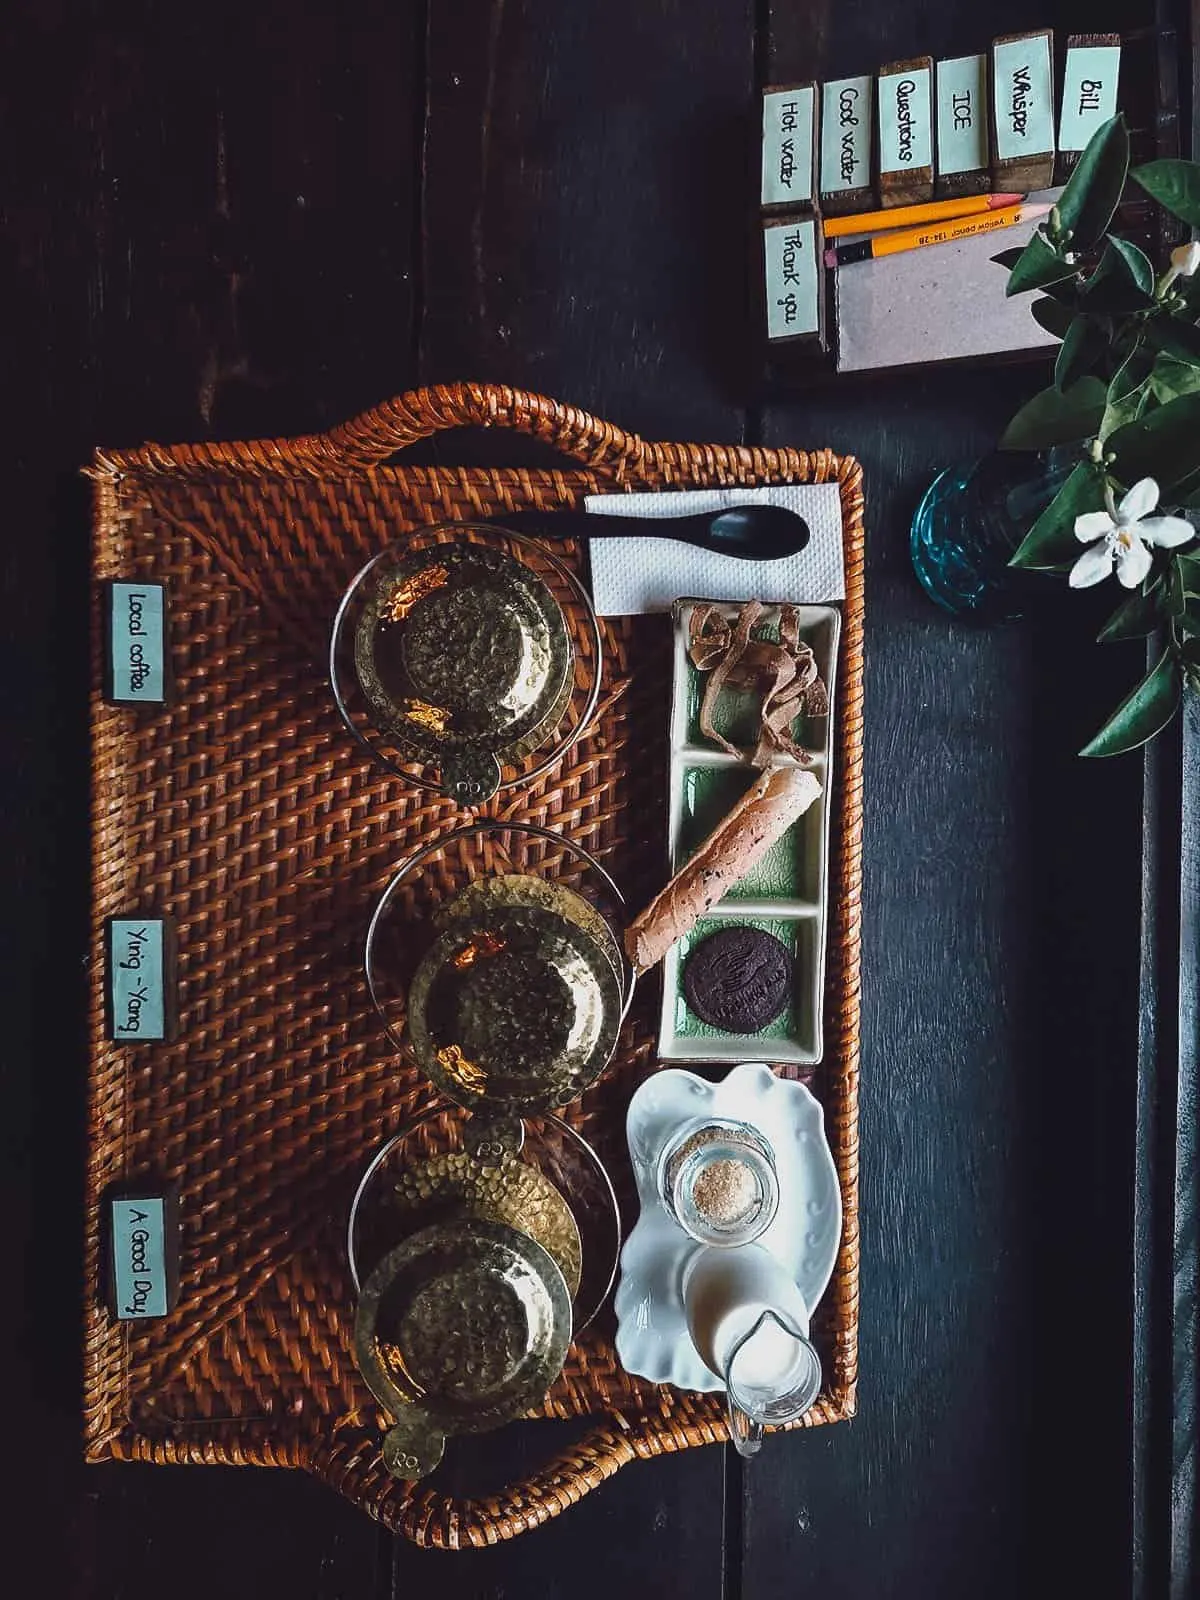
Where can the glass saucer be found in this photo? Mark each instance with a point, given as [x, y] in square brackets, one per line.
[459, 1329]
[424, 922]
[466, 659]
[385, 1209]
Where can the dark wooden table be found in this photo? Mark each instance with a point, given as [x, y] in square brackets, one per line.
[237, 220]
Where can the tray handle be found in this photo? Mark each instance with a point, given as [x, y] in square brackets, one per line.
[441, 1521]
[370, 438]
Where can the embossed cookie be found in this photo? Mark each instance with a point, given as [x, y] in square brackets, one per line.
[738, 979]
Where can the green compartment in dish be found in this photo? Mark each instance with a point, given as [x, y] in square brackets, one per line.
[795, 1022]
[791, 868]
[736, 715]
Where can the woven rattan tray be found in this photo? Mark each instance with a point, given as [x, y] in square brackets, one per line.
[246, 812]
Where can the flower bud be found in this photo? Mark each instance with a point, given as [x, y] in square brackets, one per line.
[1185, 258]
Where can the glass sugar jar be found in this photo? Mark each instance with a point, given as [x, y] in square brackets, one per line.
[717, 1179]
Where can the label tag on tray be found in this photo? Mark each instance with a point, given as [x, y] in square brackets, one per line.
[140, 954]
[143, 1250]
[136, 657]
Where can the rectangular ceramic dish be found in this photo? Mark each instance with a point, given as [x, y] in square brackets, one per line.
[786, 893]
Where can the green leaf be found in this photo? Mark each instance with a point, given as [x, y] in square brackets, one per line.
[1123, 282]
[1177, 336]
[1053, 316]
[1175, 185]
[1038, 265]
[1134, 618]
[1141, 714]
[1051, 540]
[1136, 263]
[1066, 290]
[1009, 258]
[1170, 378]
[1128, 393]
[1164, 444]
[1093, 190]
[1174, 598]
[1081, 349]
[1189, 572]
[1057, 417]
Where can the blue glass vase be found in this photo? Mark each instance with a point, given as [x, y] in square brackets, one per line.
[971, 519]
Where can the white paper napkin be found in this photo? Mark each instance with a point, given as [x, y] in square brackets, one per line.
[641, 573]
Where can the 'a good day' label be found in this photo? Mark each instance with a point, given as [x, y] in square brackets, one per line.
[139, 1258]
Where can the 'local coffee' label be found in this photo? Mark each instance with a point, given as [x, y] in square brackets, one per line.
[792, 278]
[905, 121]
[137, 962]
[787, 160]
[139, 1245]
[1024, 90]
[846, 135]
[1089, 93]
[962, 115]
[137, 642]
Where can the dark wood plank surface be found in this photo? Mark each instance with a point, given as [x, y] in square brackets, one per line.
[208, 222]
[998, 1098]
[261, 219]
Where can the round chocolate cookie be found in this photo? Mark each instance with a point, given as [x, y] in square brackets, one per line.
[739, 979]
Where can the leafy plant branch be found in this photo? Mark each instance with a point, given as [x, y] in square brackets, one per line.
[1126, 389]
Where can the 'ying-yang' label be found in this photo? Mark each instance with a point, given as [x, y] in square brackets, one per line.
[137, 978]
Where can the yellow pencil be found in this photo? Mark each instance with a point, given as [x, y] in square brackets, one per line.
[889, 244]
[906, 216]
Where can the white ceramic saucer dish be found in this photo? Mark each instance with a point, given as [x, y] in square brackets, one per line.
[652, 1335]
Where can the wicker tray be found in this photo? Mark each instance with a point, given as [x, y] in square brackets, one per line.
[246, 812]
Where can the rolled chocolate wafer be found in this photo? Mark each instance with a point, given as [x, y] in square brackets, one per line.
[767, 809]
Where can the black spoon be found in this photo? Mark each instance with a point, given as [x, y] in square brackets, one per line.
[753, 533]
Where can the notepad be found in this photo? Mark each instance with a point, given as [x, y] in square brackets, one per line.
[945, 303]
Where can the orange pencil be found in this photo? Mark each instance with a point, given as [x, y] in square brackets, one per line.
[890, 244]
[906, 216]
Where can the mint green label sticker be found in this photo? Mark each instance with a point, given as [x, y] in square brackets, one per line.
[962, 115]
[1089, 92]
[135, 975]
[136, 638]
[792, 278]
[905, 121]
[845, 135]
[1024, 93]
[787, 156]
[139, 1258]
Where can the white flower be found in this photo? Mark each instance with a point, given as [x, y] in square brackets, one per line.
[1185, 258]
[1124, 532]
